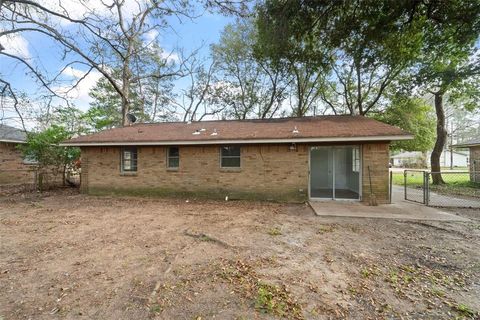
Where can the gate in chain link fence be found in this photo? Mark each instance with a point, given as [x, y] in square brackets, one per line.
[414, 185]
[460, 188]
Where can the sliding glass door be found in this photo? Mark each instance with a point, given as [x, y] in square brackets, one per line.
[335, 172]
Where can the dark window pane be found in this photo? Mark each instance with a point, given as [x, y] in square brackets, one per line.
[173, 152]
[173, 162]
[232, 151]
[231, 162]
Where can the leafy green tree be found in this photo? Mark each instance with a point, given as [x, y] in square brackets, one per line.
[44, 148]
[106, 107]
[359, 46]
[148, 96]
[452, 76]
[369, 44]
[415, 116]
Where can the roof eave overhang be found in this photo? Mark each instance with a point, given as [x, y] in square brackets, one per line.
[239, 141]
[12, 141]
[466, 145]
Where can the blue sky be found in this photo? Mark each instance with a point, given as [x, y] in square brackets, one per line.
[188, 34]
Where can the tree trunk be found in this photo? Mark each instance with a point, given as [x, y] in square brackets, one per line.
[126, 77]
[441, 139]
[125, 97]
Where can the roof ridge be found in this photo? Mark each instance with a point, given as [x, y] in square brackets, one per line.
[253, 120]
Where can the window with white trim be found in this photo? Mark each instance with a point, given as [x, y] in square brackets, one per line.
[129, 159]
[230, 157]
[173, 157]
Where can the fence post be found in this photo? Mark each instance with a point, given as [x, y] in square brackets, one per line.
[405, 183]
[424, 187]
[391, 182]
[427, 188]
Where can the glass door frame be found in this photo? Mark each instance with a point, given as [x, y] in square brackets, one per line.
[360, 172]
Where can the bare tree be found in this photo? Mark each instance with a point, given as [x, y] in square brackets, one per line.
[306, 89]
[100, 35]
[253, 87]
[200, 98]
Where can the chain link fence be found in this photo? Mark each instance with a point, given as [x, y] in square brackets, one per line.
[459, 188]
[475, 173]
[414, 185]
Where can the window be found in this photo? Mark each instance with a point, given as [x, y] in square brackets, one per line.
[355, 159]
[230, 157]
[173, 157]
[129, 160]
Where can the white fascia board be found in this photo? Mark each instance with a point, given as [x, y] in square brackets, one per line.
[12, 141]
[251, 141]
[466, 145]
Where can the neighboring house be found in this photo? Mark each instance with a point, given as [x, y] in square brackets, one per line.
[408, 159]
[13, 168]
[415, 159]
[474, 147]
[289, 159]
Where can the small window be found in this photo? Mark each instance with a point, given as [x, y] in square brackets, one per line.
[129, 160]
[230, 157]
[355, 159]
[173, 157]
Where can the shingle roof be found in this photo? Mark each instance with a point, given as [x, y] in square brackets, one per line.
[11, 134]
[310, 129]
[469, 143]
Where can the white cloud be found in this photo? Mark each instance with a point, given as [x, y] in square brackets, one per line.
[73, 73]
[151, 36]
[16, 45]
[170, 56]
[79, 96]
[78, 9]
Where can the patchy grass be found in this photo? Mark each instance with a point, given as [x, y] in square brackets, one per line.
[269, 298]
[326, 228]
[275, 231]
[156, 308]
[432, 287]
[465, 311]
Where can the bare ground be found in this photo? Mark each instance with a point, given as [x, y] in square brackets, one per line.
[72, 256]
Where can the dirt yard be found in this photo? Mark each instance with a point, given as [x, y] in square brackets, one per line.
[70, 256]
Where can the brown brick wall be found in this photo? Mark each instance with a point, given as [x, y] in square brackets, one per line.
[475, 163]
[376, 156]
[12, 169]
[267, 172]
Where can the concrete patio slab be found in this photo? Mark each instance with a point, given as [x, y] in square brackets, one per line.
[400, 209]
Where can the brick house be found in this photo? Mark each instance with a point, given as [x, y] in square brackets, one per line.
[289, 159]
[474, 158]
[14, 168]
